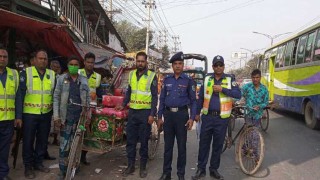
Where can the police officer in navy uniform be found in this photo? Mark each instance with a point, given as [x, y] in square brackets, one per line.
[215, 100]
[177, 94]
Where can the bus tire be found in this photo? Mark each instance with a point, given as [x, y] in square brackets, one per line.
[309, 116]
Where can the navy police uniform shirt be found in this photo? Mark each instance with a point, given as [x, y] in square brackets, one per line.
[177, 93]
[214, 105]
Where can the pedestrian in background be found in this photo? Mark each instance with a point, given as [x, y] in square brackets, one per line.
[177, 94]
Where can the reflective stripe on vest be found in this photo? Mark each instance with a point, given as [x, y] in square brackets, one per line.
[140, 90]
[38, 99]
[8, 95]
[225, 101]
[93, 82]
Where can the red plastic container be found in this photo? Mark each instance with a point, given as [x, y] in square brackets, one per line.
[112, 101]
[112, 112]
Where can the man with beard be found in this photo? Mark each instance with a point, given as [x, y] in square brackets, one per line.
[177, 94]
[215, 100]
[36, 88]
[143, 97]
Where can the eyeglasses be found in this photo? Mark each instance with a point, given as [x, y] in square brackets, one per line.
[218, 64]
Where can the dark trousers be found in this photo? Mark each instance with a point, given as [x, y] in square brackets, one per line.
[6, 133]
[174, 127]
[212, 128]
[138, 129]
[36, 128]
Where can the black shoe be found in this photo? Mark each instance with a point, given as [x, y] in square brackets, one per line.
[85, 162]
[215, 174]
[48, 157]
[29, 173]
[180, 177]
[129, 170]
[84, 158]
[7, 178]
[199, 174]
[143, 171]
[165, 177]
[42, 168]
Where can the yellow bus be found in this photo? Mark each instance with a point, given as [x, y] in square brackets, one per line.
[291, 71]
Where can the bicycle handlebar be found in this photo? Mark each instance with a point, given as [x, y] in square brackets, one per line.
[77, 104]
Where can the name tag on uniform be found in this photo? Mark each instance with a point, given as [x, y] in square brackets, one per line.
[183, 86]
[168, 85]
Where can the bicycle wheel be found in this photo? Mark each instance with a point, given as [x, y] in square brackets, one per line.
[74, 157]
[264, 122]
[154, 141]
[228, 139]
[251, 150]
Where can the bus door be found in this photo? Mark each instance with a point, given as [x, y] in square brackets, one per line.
[271, 77]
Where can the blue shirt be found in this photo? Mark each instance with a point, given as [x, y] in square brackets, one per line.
[3, 79]
[154, 93]
[177, 93]
[214, 104]
[255, 97]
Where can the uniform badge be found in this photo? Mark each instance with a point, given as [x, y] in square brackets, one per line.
[48, 76]
[154, 83]
[234, 83]
[193, 88]
[21, 79]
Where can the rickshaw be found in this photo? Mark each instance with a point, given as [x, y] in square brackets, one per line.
[107, 129]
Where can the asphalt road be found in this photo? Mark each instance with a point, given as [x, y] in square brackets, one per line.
[292, 153]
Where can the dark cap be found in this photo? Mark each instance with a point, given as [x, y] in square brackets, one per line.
[177, 57]
[217, 58]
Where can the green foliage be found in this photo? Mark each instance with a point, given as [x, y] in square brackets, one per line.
[133, 37]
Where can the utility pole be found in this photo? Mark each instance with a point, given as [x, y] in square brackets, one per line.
[149, 5]
[165, 37]
[109, 10]
[176, 43]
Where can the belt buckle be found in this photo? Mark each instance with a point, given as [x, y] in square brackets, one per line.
[174, 109]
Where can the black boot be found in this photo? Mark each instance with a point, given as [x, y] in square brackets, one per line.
[165, 177]
[129, 170]
[143, 170]
[48, 157]
[181, 177]
[215, 174]
[199, 174]
[84, 158]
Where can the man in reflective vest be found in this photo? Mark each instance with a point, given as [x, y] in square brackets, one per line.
[215, 100]
[142, 93]
[8, 88]
[94, 82]
[36, 88]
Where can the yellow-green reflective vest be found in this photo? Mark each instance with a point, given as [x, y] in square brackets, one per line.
[8, 95]
[225, 101]
[140, 90]
[94, 82]
[38, 99]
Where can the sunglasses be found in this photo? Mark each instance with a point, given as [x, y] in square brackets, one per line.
[218, 64]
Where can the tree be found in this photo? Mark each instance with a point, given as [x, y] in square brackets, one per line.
[133, 36]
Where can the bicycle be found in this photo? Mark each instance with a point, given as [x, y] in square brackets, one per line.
[76, 146]
[250, 148]
[264, 122]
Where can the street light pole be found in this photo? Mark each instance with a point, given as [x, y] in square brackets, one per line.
[252, 51]
[270, 36]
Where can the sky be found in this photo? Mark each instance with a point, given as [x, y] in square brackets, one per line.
[220, 27]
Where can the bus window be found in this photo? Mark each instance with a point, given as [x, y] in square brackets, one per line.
[279, 59]
[294, 52]
[301, 49]
[309, 46]
[288, 53]
[317, 48]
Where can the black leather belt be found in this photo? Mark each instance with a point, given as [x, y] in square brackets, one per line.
[214, 113]
[176, 109]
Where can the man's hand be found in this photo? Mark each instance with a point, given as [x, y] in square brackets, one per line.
[18, 123]
[150, 120]
[119, 108]
[217, 88]
[57, 124]
[197, 118]
[256, 108]
[189, 124]
[160, 124]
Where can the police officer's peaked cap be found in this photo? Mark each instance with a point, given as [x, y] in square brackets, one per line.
[177, 57]
[216, 59]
